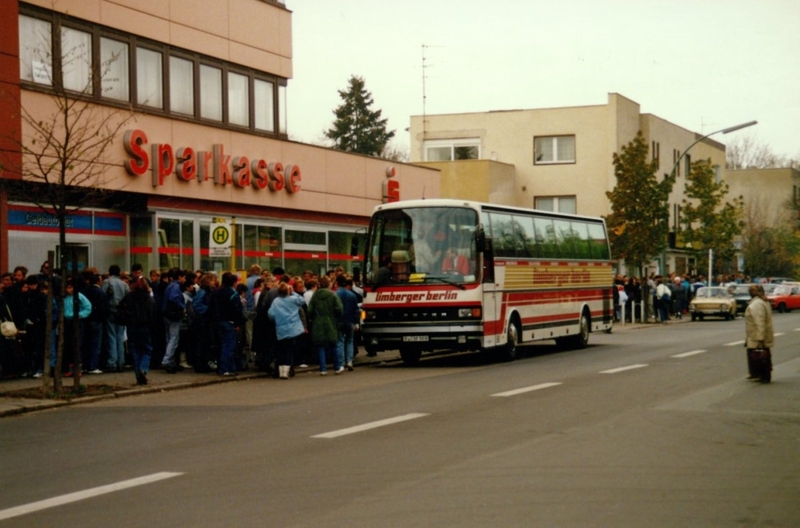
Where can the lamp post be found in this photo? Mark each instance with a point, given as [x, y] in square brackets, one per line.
[675, 166]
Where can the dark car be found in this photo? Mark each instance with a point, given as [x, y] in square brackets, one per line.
[740, 294]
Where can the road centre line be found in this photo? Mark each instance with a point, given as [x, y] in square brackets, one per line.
[371, 425]
[692, 353]
[735, 343]
[85, 494]
[526, 389]
[778, 334]
[622, 369]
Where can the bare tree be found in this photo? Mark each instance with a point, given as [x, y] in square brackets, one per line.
[747, 152]
[64, 144]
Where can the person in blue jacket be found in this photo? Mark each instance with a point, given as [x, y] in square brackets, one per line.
[72, 342]
[285, 312]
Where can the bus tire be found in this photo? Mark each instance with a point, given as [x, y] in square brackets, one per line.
[410, 356]
[508, 352]
[579, 340]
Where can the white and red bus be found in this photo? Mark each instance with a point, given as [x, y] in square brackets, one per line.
[459, 275]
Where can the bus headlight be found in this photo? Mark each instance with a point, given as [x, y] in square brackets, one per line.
[469, 313]
[370, 315]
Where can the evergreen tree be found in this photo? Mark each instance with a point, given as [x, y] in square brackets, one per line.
[357, 128]
[638, 222]
[708, 221]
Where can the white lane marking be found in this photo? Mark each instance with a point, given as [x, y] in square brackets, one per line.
[371, 425]
[735, 343]
[796, 330]
[692, 353]
[85, 494]
[622, 369]
[777, 334]
[526, 389]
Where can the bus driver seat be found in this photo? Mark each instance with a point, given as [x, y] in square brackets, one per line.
[401, 265]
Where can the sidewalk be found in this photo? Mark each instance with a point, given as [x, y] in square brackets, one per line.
[124, 383]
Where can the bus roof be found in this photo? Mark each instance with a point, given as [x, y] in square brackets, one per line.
[479, 206]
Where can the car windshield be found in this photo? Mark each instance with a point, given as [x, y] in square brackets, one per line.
[782, 290]
[741, 289]
[705, 293]
[769, 288]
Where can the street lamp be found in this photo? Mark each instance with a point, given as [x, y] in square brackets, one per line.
[674, 167]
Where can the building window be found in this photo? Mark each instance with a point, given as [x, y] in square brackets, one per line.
[35, 51]
[210, 92]
[149, 80]
[559, 204]
[553, 149]
[238, 99]
[283, 127]
[76, 60]
[264, 105]
[111, 67]
[114, 70]
[452, 149]
[181, 86]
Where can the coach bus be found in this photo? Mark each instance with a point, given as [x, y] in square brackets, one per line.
[459, 275]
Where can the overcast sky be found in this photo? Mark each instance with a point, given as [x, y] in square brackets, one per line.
[701, 64]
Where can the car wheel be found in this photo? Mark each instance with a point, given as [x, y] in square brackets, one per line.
[781, 308]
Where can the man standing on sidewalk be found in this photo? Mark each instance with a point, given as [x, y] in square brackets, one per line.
[115, 289]
[351, 316]
[174, 308]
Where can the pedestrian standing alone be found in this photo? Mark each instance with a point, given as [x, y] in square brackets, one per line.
[760, 337]
[324, 313]
[138, 311]
[285, 313]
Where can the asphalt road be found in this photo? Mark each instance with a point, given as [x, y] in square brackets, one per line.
[650, 427]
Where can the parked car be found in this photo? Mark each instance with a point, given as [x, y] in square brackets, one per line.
[780, 280]
[712, 300]
[785, 298]
[740, 294]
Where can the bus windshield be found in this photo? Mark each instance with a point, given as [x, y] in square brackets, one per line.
[422, 244]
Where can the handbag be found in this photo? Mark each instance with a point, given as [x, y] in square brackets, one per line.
[8, 328]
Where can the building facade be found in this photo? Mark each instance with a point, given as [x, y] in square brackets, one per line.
[557, 159]
[195, 93]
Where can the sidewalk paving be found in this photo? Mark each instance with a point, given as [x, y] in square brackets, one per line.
[124, 383]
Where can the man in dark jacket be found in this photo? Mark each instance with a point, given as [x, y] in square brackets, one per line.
[93, 325]
[324, 313]
[227, 313]
[351, 317]
[173, 308]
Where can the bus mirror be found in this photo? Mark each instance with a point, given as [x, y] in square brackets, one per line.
[354, 246]
[356, 274]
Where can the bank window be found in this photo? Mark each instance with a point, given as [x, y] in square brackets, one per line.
[554, 149]
[35, 50]
[558, 204]
[282, 124]
[264, 105]
[238, 99]
[452, 149]
[76, 60]
[114, 69]
[339, 244]
[262, 246]
[149, 78]
[210, 92]
[181, 86]
[311, 238]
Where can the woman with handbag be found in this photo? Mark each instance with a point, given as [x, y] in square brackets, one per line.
[760, 336]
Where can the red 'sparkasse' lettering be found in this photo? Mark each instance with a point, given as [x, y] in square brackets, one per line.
[223, 169]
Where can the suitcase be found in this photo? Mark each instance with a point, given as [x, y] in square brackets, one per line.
[760, 363]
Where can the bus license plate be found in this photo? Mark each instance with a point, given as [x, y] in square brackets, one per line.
[415, 338]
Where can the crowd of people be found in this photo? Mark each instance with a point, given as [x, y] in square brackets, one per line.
[668, 296]
[179, 319]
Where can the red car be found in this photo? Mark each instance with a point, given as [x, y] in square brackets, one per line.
[785, 298]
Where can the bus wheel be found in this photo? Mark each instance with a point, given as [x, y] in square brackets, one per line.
[508, 352]
[579, 340]
[410, 356]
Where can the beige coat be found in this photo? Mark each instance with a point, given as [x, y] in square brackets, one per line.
[758, 324]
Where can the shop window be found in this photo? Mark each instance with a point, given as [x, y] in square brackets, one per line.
[238, 99]
[554, 149]
[76, 60]
[181, 86]
[114, 69]
[141, 240]
[175, 243]
[262, 246]
[149, 80]
[264, 105]
[35, 51]
[339, 244]
[315, 238]
[210, 92]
